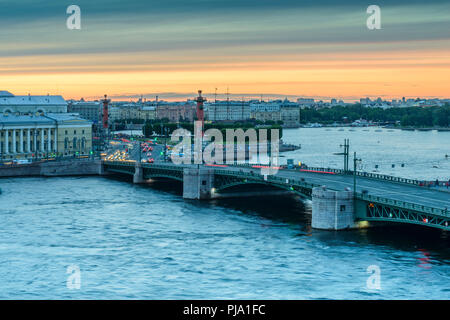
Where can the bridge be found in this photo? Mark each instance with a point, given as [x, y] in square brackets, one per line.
[335, 205]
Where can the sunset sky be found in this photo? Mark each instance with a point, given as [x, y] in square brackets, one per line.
[172, 48]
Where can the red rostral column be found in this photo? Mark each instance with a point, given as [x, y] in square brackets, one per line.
[105, 112]
[200, 111]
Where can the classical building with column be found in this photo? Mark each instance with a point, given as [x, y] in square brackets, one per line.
[35, 136]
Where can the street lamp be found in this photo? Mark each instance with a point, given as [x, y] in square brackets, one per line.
[346, 146]
[355, 160]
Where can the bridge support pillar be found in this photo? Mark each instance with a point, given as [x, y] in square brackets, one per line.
[332, 210]
[138, 176]
[198, 183]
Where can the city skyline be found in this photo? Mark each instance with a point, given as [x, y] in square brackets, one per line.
[284, 49]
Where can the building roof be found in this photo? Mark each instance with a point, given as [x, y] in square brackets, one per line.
[60, 118]
[67, 118]
[12, 119]
[7, 98]
[5, 94]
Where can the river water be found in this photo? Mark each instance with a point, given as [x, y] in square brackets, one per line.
[421, 152]
[145, 242]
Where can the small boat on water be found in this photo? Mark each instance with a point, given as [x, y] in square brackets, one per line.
[378, 130]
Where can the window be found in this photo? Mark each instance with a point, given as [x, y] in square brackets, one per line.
[204, 183]
[74, 131]
[66, 131]
[342, 207]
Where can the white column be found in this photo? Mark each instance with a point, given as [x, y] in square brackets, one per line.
[42, 140]
[6, 141]
[14, 141]
[56, 140]
[35, 140]
[28, 141]
[21, 141]
[49, 140]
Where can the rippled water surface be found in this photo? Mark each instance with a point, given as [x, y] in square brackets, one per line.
[421, 152]
[143, 241]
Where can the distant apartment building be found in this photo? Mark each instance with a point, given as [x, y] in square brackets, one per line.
[290, 114]
[131, 111]
[263, 111]
[30, 104]
[147, 113]
[176, 112]
[89, 110]
[305, 102]
[286, 111]
[228, 111]
[114, 113]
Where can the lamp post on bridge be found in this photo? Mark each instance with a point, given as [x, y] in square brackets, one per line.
[140, 151]
[355, 160]
[346, 154]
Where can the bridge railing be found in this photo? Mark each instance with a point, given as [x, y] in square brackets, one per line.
[268, 178]
[122, 163]
[403, 204]
[370, 175]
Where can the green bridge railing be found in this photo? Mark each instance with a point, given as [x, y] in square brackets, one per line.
[403, 205]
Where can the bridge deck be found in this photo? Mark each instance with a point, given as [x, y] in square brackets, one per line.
[386, 189]
[421, 196]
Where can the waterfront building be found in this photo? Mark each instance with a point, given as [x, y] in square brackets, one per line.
[10, 103]
[286, 111]
[263, 111]
[38, 135]
[290, 114]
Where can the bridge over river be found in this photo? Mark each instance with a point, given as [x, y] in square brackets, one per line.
[335, 205]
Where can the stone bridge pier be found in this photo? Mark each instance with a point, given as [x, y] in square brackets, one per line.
[332, 210]
[138, 176]
[198, 183]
